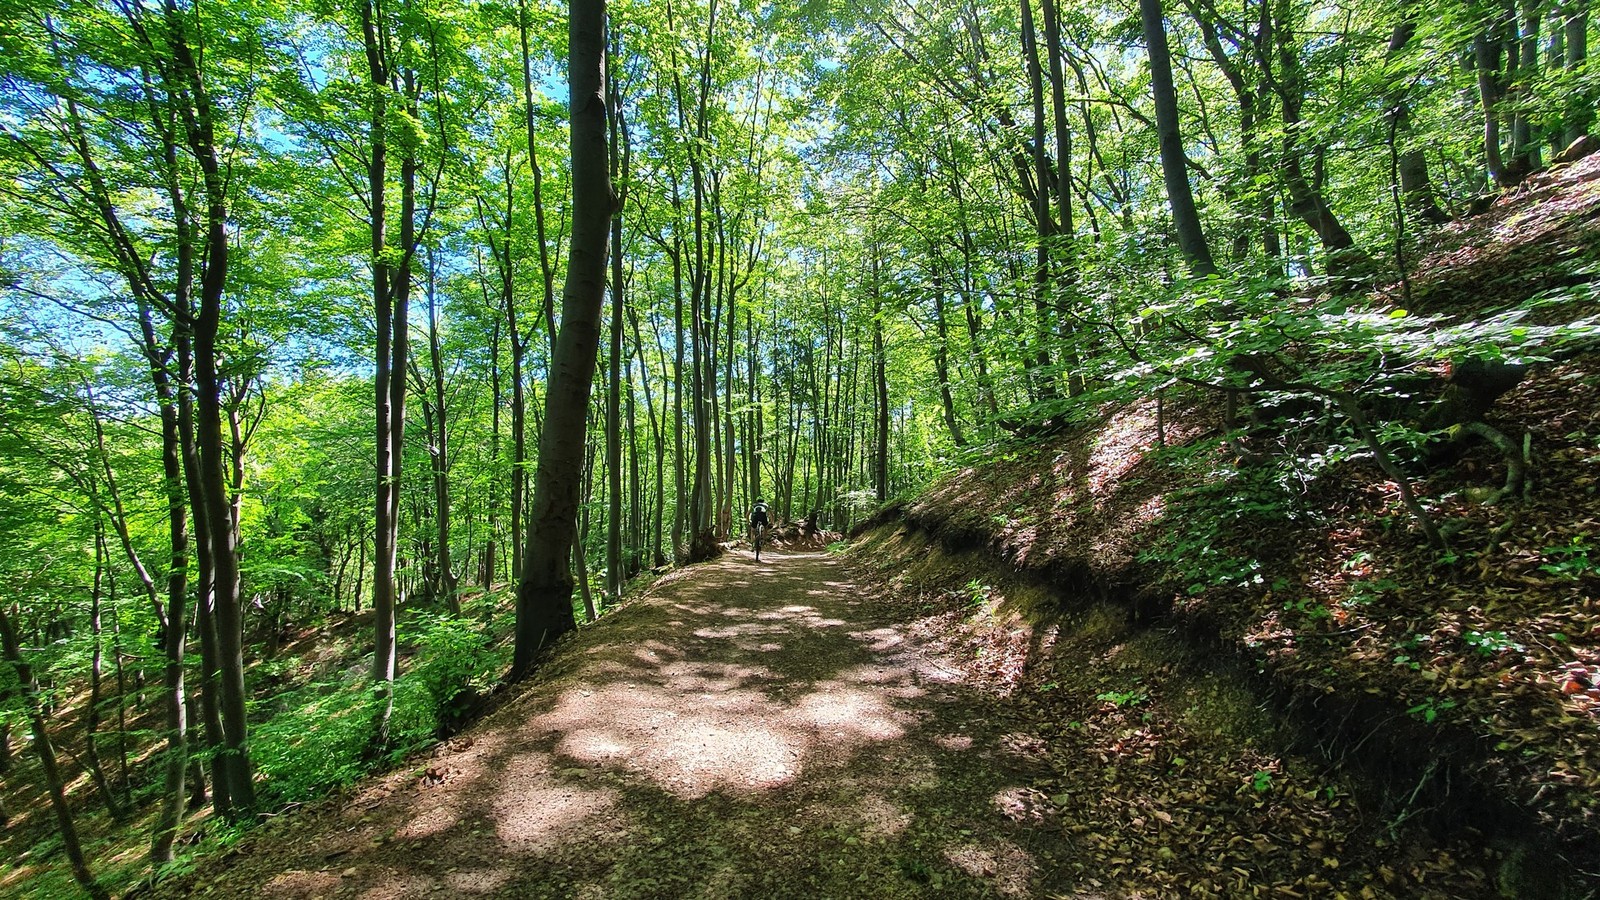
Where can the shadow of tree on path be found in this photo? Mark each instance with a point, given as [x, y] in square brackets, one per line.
[748, 730]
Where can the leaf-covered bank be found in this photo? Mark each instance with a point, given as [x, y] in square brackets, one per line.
[1162, 765]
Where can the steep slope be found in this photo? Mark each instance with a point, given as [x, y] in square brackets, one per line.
[1460, 687]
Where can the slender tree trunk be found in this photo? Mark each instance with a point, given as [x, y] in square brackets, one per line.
[1580, 107]
[91, 716]
[1488, 58]
[658, 556]
[880, 396]
[176, 702]
[490, 563]
[446, 585]
[227, 610]
[1306, 199]
[205, 605]
[47, 759]
[226, 601]
[1527, 73]
[1415, 185]
[197, 783]
[616, 130]
[580, 547]
[386, 486]
[547, 269]
[1174, 165]
[680, 464]
[544, 593]
[1044, 224]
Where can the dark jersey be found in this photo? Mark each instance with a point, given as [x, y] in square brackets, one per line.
[758, 515]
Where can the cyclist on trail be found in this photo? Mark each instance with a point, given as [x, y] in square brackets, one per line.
[758, 524]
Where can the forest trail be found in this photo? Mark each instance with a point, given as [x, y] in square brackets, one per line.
[743, 730]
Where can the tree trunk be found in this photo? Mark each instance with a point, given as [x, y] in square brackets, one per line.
[386, 487]
[215, 496]
[614, 574]
[1174, 166]
[47, 760]
[1580, 107]
[446, 584]
[91, 715]
[1526, 148]
[205, 589]
[1415, 185]
[1306, 198]
[658, 555]
[880, 396]
[1488, 58]
[544, 593]
[1044, 224]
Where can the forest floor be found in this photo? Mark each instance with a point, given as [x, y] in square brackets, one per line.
[744, 729]
[797, 728]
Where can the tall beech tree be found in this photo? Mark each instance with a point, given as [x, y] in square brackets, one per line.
[544, 591]
[1174, 162]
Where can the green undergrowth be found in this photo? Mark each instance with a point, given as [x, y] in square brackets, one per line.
[318, 737]
[313, 719]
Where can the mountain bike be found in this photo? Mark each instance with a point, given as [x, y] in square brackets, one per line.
[757, 532]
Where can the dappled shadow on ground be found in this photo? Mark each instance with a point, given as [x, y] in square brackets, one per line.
[754, 729]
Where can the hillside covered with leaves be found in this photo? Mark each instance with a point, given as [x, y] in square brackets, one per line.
[1459, 681]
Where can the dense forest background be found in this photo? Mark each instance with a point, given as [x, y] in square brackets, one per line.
[280, 284]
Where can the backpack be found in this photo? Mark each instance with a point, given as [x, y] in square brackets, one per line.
[759, 514]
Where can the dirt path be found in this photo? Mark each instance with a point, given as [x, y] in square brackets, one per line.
[747, 730]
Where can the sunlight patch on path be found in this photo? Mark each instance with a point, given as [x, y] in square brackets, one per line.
[680, 753]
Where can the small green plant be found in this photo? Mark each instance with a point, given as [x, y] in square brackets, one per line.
[1309, 608]
[1490, 643]
[1430, 709]
[914, 869]
[451, 665]
[977, 592]
[1261, 781]
[838, 547]
[315, 743]
[1571, 561]
[1365, 592]
[1120, 699]
[1048, 686]
[1410, 645]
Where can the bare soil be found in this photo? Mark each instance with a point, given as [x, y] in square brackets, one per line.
[743, 730]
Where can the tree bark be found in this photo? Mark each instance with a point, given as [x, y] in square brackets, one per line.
[1415, 185]
[209, 387]
[1580, 108]
[1174, 166]
[616, 129]
[445, 587]
[54, 786]
[544, 593]
[1044, 224]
